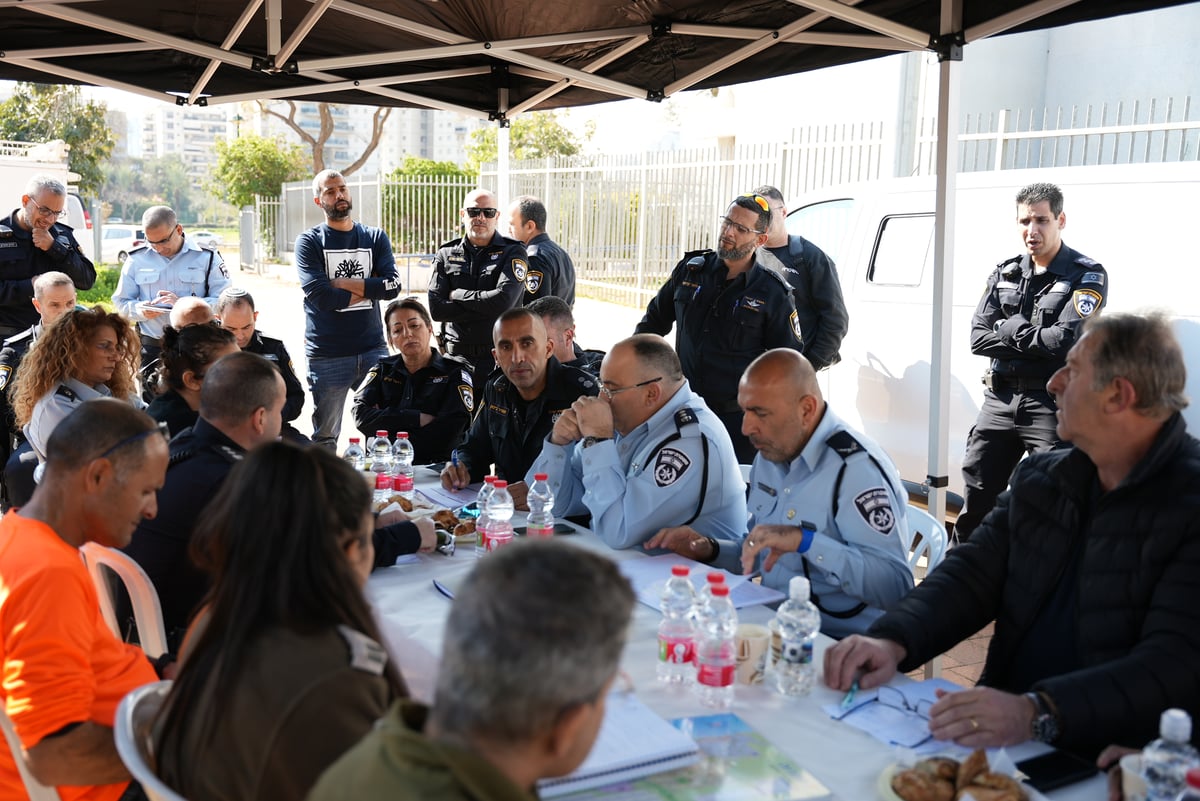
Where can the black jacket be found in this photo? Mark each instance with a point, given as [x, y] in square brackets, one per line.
[551, 271]
[1027, 332]
[392, 398]
[275, 351]
[20, 261]
[471, 287]
[501, 434]
[1137, 609]
[817, 293]
[172, 409]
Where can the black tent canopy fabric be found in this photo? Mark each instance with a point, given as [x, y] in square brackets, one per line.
[490, 59]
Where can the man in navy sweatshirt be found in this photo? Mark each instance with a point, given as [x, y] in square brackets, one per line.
[345, 269]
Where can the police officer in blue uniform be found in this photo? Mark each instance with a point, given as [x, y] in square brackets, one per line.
[645, 454]
[1029, 317]
[551, 272]
[475, 280]
[520, 405]
[824, 499]
[169, 266]
[32, 242]
[418, 390]
[728, 309]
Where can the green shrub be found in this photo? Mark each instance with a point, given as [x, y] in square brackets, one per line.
[102, 291]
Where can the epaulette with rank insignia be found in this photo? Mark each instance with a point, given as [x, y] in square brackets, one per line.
[695, 259]
[66, 392]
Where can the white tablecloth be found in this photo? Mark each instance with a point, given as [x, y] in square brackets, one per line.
[413, 613]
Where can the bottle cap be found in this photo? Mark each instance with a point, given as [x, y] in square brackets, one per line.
[1175, 724]
[798, 589]
[679, 570]
[355, 439]
[401, 435]
[715, 577]
[489, 479]
[501, 484]
[541, 477]
[720, 590]
[381, 434]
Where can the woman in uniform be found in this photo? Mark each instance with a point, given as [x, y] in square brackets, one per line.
[186, 354]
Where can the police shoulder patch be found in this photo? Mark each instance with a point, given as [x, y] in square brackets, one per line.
[794, 319]
[1086, 301]
[533, 282]
[875, 506]
[670, 466]
[468, 396]
[5, 373]
[520, 269]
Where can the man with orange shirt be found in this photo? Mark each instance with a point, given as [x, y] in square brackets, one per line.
[63, 670]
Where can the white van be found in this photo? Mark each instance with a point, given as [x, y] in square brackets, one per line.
[880, 235]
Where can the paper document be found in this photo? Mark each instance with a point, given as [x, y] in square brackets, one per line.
[650, 574]
[896, 714]
[449, 499]
[633, 742]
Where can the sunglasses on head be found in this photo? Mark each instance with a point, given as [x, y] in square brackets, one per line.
[759, 199]
[489, 212]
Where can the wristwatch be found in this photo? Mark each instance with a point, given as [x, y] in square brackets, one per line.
[1045, 719]
[590, 441]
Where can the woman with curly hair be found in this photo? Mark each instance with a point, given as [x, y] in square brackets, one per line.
[85, 354]
[186, 355]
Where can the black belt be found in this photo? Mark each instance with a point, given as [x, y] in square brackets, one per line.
[993, 381]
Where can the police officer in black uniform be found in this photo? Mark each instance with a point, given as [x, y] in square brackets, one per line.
[418, 390]
[551, 271]
[729, 309]
[32, 242]
[1028, 319]
[475, 280]
[235, 309]
[520, 405]
[560, 327]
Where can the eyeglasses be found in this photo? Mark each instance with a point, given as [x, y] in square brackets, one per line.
[608, 393]
[489, 212]
[759, 199]
[725, 222]
[48, 212]
[160, 428]
[909, 729]
[164, 240]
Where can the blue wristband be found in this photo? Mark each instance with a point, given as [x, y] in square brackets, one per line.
[808, 532]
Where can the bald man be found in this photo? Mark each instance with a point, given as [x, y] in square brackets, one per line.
[644, 454]
[475, 280]
[825, 502]
[191, 311]
[519, 406]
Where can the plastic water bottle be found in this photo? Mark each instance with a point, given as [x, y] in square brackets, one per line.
[540, 522]
[402, 455]
[482, 522]
[675, 633]
[500, 512]
[381, 455]
[383, 488]
[716, 650]
[798, 622]
[403, 486]
[704, 594]
[1192, 791]
[1166, 761]
[354, 454]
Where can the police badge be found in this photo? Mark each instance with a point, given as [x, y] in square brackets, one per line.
[1086, 301]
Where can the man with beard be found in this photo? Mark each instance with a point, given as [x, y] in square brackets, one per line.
[729, 309]
[345, 269]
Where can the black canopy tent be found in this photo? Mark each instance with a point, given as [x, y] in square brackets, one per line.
[500, 58]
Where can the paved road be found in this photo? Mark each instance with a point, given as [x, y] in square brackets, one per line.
[281, 314]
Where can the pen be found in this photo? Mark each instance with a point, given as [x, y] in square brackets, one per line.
[454, 457]
[849, 699]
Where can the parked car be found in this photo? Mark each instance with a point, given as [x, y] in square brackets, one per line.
[205, 239]
[118, 241]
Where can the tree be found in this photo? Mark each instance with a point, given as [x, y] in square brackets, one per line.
[316, 143]
[421, 200]
[532, 136]
[133, 185]
[254, 165]
[42, 112]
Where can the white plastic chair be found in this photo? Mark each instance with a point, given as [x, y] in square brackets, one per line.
[131, 730]
[926, 538]
[147, 611]
[36, 790]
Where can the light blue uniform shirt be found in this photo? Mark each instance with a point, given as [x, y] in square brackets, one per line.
[51, 408]
[858, 554]
[633, 487]
[146, 272]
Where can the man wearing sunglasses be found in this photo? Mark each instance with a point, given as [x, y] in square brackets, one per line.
[156, 275]
[728, 309]
[475, 280]
[33, 240]
[645, 454]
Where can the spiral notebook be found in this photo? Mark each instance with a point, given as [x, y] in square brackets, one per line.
[633, 742]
